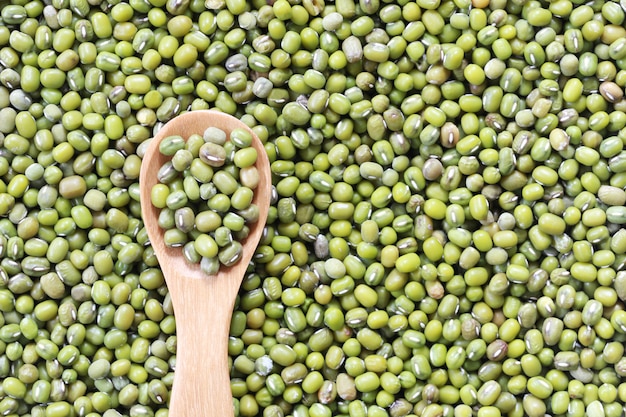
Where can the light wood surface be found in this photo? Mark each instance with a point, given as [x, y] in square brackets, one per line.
[203, 304]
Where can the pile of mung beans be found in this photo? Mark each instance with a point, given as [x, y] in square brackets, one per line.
[446, 232]
[204, 193]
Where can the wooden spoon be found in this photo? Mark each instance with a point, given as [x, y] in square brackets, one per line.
[203, 304]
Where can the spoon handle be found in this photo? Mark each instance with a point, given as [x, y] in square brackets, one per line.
[201, 386]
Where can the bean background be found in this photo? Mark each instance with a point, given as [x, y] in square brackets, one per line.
[445, 237]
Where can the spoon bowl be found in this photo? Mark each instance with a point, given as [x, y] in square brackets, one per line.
[203, 304]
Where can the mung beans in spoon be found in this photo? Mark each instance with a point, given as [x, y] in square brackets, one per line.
[204, 164]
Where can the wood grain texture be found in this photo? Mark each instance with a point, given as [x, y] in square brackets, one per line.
[203, 304]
